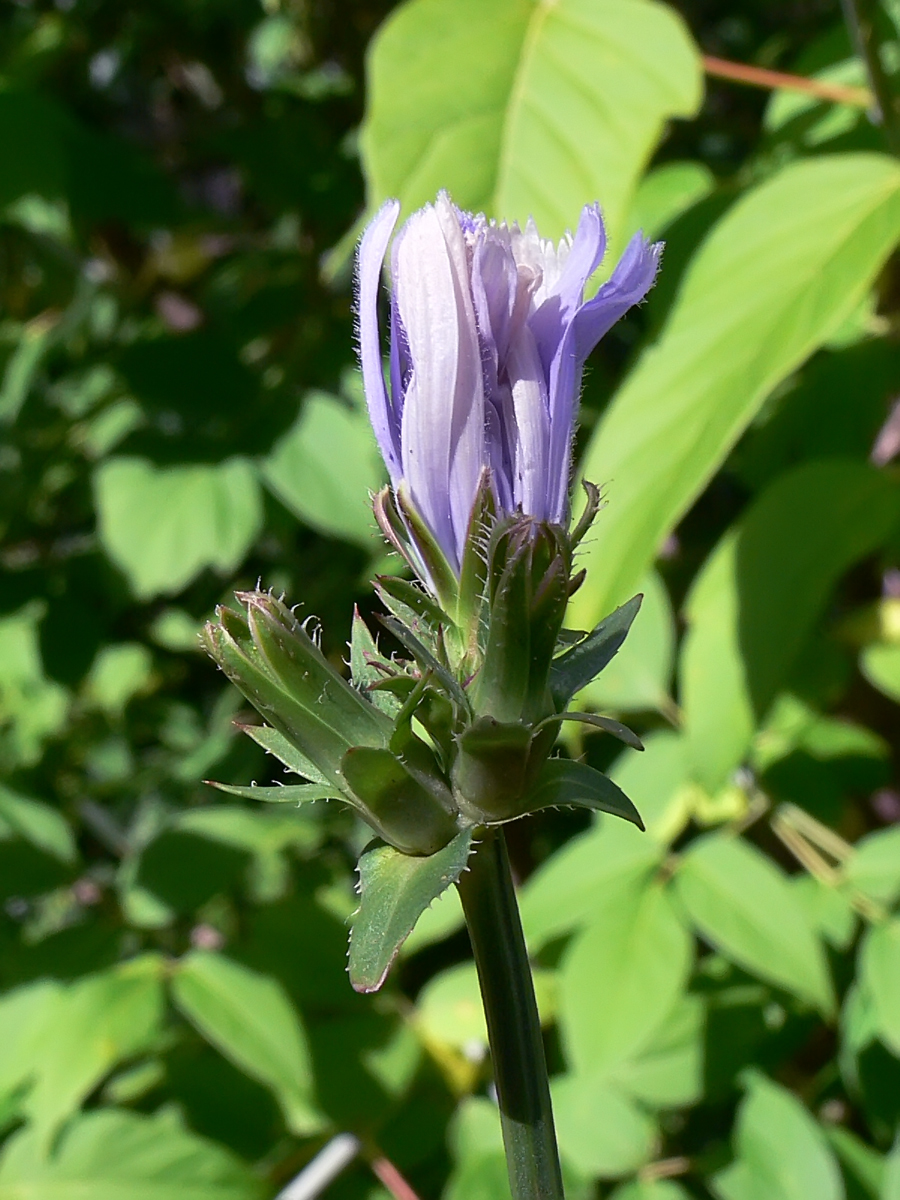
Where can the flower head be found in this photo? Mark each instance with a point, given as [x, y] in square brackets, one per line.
[489, 335]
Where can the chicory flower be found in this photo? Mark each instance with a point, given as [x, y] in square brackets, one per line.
[489, 333]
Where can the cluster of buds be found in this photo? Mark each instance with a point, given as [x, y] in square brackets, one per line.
[489, 334]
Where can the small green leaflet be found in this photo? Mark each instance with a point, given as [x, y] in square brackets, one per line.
[395, 889]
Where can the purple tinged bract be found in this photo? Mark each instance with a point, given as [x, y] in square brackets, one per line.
[489, 333]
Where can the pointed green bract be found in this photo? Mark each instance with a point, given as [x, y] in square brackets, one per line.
[395, 889]
[298, 793]
[490, 772]
[303, 670]
[607, 724]
[369, 667]
[279, 747]
[583, 663]
[397, 805]
[295, 721]
[564, 781]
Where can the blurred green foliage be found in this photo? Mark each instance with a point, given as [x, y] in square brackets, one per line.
[181, 183]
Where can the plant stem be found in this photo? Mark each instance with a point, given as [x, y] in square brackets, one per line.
[514, 1028]
[862, 22]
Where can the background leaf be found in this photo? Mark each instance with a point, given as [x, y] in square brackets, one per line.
[782, 1152]
[755, 601]
[776, 276]
[472, 97]
[743, 905]
[250, 1020]
[163, 527]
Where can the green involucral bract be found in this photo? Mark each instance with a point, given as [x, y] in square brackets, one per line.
[455, 732]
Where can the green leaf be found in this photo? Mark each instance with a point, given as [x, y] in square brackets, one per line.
[492, 101]
[779, 272]
[607, 724]
[449, 1008]
[874, 866]
[601, 1132]
[395, 889]
[650, 1189]
[32, 707]
[891, 1186]
[621, 976]
[30, 1011]
[443, 918]
[38, 823]
[782, 1152]
[828, 910]
[863, 1164]
[639, 677]
[667, 192]
[742, 904]
[609, 860]
[87, 1028]
[563, 781]
[668, 1071]
[116, 1155]
[250, 1020]
[881, 666]
[324, 468]
[756, 600]
[162, 526]
[578, 667]
[880, 971]
[118, 673]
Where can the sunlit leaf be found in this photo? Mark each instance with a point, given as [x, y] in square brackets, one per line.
[493, 101]
[248, 1017]
[163, 526]
[759, 594]
[116, 1155]
[776, 276]
[744, 906]
[782, 1152]
[621, 976]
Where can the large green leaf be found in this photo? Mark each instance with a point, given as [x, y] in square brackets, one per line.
[650, 1189]
[601, 1132]
[163, 526]
[324, 468]
[113, 1155]
[880, 968]
[395, 889]
[39, 824]
[776, 276]
[524, 109]
[744, 906]
[248, 1017]
[569, 887]
[891, 1185]
[620, 978]
[72, 1036]
[668, 1071]
[782, 1152]
[874, 866]
[757, 598]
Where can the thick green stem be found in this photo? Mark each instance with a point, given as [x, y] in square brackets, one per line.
[862, 17]
[514, 1028]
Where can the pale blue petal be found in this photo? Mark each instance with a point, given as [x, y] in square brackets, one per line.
[369, 261]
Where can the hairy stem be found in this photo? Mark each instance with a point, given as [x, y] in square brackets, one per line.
[514, 1029]
[862, 17]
